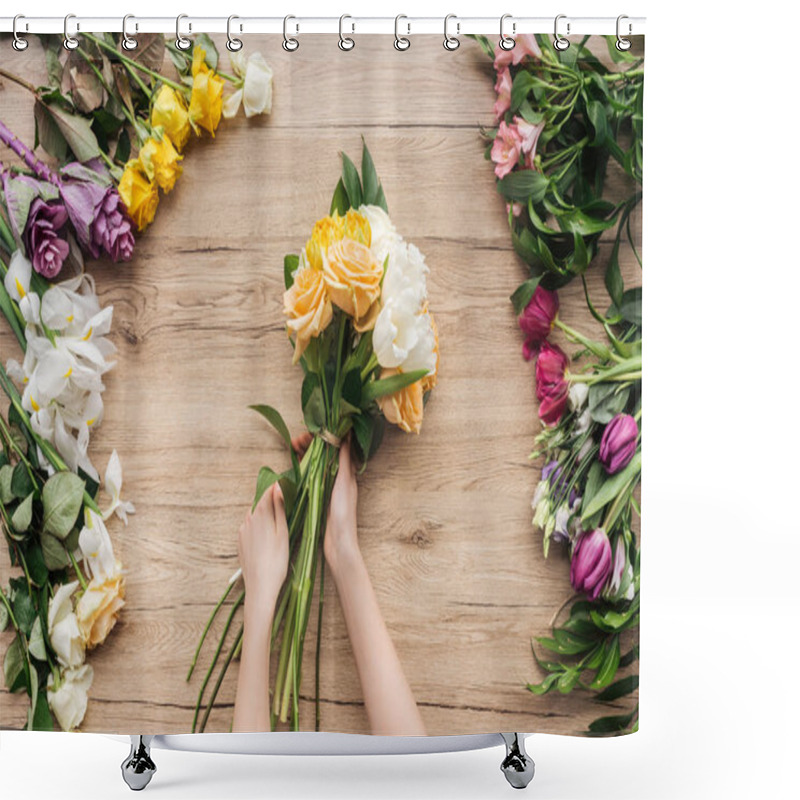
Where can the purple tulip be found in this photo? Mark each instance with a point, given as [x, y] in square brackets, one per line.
[536, 321]
[591, 563]
[43, 236]
[95, 209]
[618, 443]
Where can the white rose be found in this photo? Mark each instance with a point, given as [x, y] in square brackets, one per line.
[62, 627]
[69, 701]
[384, 235]
[403, 337]
[256, 89]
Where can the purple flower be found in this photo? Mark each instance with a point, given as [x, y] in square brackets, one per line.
[536, 321]
[43, 236]
[591, 563]
[618, 443]
[95, 209]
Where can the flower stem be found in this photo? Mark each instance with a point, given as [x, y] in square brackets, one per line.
[131, 63]
[78, 572]
[10, 139]
[208, 627]
[19, 81]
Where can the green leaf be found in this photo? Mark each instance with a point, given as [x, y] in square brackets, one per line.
[3, 616]
[6, 495]
[212, 55]
[274, 418]
[606, 400]
[314, 408]
[381, 199]
[612, 487]
[577, 221]
[369, 177]
[613, 278]
[76, 131]
[545, 686]
[62, 498]
[523, 294]
[36, 642]
[352, 184]
[608, 669]
[42, 718]
[24, 611]
[34, 560]
[568, 680]
[266, 477]
[54, 553]
[21, 519]
[290, 264]
[351, 387]
[47, 133]
[596, 111]
[631, 308]
[21, 483]
[375, 389]
[340, 204]
[619, 689]
[524, 185]
[612, 724]
[13, 665]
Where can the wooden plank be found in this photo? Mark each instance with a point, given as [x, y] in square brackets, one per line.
[444, 517]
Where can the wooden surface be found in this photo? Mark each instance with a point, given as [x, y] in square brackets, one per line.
[444, 518]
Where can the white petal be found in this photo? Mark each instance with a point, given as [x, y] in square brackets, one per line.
[230, 105]
[18, 277]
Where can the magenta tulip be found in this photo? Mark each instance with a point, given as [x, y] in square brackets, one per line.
[552, 388]
[536, 321]
[591, 563]
[618, 443]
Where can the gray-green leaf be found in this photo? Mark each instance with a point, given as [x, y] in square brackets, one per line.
[54, 553]
[21, 519]
[62, 498]
[36, 643]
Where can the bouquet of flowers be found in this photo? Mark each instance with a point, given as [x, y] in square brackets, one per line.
[357, 307]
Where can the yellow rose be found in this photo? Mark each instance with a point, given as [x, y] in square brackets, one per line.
[333, 229]
[139, 194]
[308, 307]
[169, 112]
[403, 408]
[205, 105]
[353, 276]
[429, 381]
[99, 607]
[161, 162]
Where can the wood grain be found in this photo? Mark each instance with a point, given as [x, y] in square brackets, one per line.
[445, 516]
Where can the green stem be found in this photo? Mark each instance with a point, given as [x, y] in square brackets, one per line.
[211, 619]
[78, 572]
[233, 651]
[135, 64]
[7, 237]
[600, 350]
[19, 81]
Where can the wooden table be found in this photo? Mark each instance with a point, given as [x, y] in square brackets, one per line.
[445, 517]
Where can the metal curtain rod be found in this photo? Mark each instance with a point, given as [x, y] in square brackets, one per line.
[579, 26]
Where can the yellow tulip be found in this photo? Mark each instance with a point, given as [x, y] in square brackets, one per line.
[139, 194]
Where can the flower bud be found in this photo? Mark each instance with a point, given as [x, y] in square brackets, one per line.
[591, 563]
[618, 443]
[536, 321]
[552, 388]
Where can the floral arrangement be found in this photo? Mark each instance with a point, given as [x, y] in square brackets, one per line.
[357, 312]
[101, 104]
[563, 119]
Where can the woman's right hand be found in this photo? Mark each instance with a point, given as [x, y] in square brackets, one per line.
[341, 534]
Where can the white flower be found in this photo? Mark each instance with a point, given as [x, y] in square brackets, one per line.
[384, 236]
[18, 277]
[62, 627]
[256, 88]
[69, 701]
[96, 548]
[576, 399]
[113, 487]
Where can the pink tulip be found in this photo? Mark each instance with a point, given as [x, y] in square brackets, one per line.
[506, 149]
[503, 88]
[536, 321]
[591, 563]
[552, 388]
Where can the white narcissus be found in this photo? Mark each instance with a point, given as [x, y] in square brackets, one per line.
[62, 627]
[68, 702]
[255, 89]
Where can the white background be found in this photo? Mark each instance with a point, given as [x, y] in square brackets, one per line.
[720, 596]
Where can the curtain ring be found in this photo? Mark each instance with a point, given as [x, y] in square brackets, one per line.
[181, 42]
[70, 42]
[128, 42]
[623, 44]
[346, 42]
[507, 42]
[451, 42]
[401, 42]
[289, 44]
[233, 44]
[18, 43]
[559, 42]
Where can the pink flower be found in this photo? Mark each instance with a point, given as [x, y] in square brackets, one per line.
[506, 149]
[525, 46]
[618, 443]
[591, 563]
[529, 134]
[514, 208]
[503, 88]
[552, 387]
[536, 321]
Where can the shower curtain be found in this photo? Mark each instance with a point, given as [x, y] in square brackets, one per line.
[322, 385]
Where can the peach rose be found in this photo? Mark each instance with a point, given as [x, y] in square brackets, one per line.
[308, 306]
[403, 408]
[99, 607]
[353, 277]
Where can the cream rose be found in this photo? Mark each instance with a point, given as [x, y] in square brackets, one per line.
[69, 701]
[353, 277]
[308, 306]
[98, 608]
[62, 627]
[256, 89]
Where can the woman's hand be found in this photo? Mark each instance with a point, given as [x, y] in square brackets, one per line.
[264, 551]
[341, 533]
